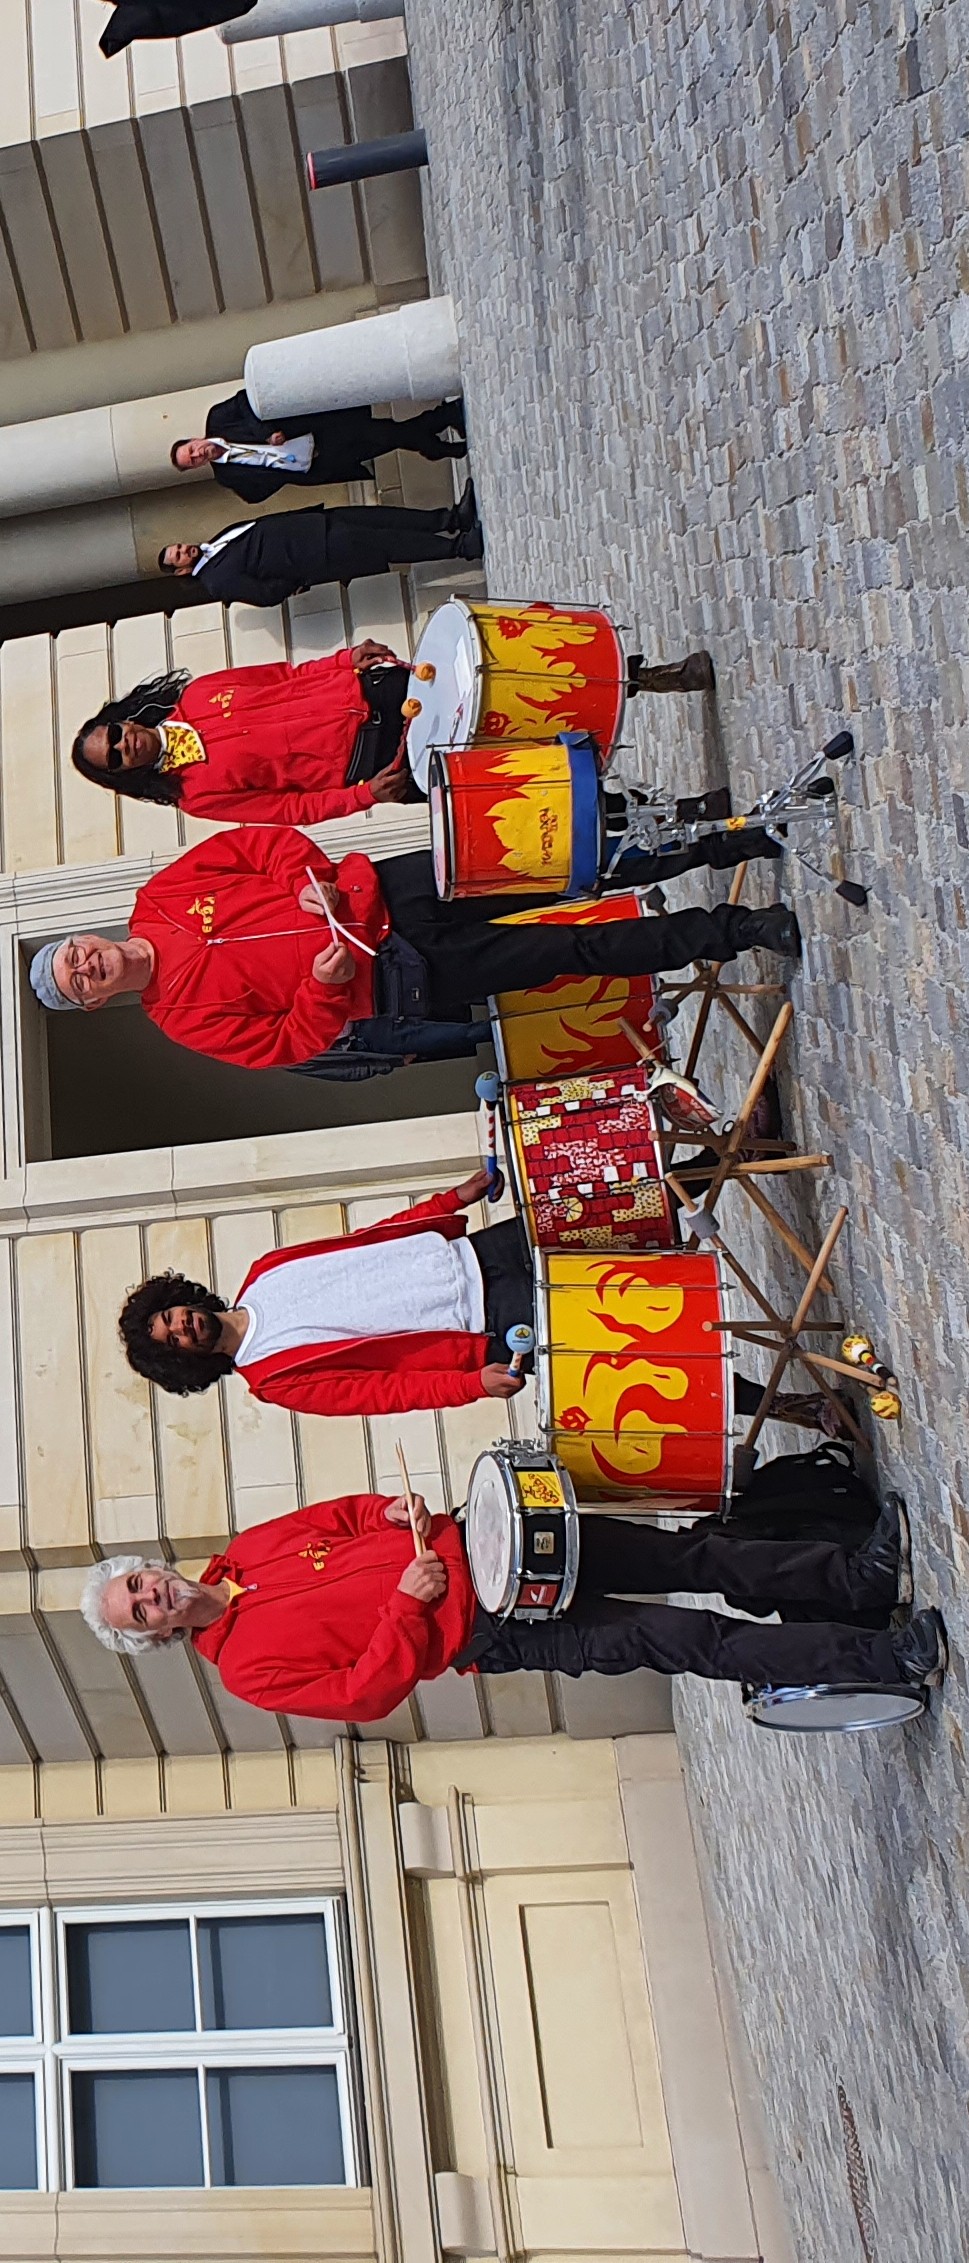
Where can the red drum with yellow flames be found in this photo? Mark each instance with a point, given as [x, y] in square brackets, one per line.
[572, 1025]
[634, 1375]
[587, 1169]
[513, 673]
[511, 819]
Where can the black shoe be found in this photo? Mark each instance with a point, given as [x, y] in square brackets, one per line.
[922, 1651]
[449, 417]
[725, 849]
[885, 1561]
[774, 929]
[465, 513]
[437, 451]
[470, 544]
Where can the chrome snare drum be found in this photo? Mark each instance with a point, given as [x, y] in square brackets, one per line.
[840, 1708]
[521, 1533]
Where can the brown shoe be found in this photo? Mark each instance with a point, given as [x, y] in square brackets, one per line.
[813, 1411]
[695, 673]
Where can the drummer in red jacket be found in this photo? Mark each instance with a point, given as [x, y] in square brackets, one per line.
[225, 950]
[329, 1614]
[265, 745]
[411, 1312]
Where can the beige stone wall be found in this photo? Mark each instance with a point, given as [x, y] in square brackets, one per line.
[53, 79]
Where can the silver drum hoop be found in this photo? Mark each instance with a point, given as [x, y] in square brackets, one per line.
[833, 1708]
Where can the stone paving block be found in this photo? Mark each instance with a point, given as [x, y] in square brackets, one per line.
[711, 279]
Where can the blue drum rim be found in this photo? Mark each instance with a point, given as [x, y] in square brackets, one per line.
[587, 813]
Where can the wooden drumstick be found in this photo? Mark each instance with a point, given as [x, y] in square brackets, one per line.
[419, 1546]
[338, 933]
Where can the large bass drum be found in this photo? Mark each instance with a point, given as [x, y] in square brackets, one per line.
[513, 672]
[586, 1162]
[574, 1023]
[521, 1533]
[833, 1708]
[634, 1375]
[516, 820]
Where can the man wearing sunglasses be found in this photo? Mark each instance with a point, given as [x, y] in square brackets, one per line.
[265, 745]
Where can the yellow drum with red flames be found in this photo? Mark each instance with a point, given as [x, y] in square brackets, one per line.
[572, 1025]
[510, 673]
[634, 1375]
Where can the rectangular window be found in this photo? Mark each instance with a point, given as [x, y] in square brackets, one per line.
[182, 2047]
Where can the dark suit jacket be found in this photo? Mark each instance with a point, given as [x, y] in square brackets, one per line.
[166, 19]
[277, 557]
[344, 446]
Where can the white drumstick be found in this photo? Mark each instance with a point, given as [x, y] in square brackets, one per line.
[356, 942]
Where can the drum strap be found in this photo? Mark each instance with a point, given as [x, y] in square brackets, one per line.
[481, 1640]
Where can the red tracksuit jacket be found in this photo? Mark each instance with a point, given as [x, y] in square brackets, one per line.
[321, 1627]
[234, 952]
[373, 1374]
[277, 742]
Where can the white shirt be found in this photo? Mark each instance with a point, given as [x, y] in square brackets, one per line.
[268, 455]
[219, 542]
[389, 1288]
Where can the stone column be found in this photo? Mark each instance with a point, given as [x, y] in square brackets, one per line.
[411, 355]
[92, 454]
[269, 19]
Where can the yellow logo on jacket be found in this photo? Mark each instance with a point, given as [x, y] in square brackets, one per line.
[204, 910]
[317, 1553]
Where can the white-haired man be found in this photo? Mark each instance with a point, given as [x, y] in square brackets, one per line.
[329, 1612]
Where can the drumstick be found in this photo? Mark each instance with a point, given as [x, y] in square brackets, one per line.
[419, 1548]
[486, 1087]
[356, 942]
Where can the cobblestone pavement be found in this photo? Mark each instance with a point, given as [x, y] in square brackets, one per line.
[711, 271]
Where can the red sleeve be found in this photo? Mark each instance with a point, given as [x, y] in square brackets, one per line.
[382, 1390]
[282, 854]
[389, 1669]
[353, 1513]
[274, 805]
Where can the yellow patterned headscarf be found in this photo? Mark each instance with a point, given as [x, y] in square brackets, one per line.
[182, 746]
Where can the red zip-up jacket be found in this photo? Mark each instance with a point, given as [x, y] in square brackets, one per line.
[373, 1374]
[234, 952]
[277, 743]
[321, 1627]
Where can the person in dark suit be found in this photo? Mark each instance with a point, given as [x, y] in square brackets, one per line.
[339, 443]
[264, 561]
[165, 19]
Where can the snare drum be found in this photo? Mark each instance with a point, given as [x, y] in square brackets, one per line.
[573, 1023]
[510, 820]
[634, 1375]
[585, 1164]
[521, 1534]
[837, 1708]
[513, 672]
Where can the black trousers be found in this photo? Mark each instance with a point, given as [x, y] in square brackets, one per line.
[509, 1285]
[605, 1634]
[468, 956]
[350, 541]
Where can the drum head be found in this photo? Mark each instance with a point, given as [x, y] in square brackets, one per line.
[493, 1533]
[811, 1712]
[449, 705]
